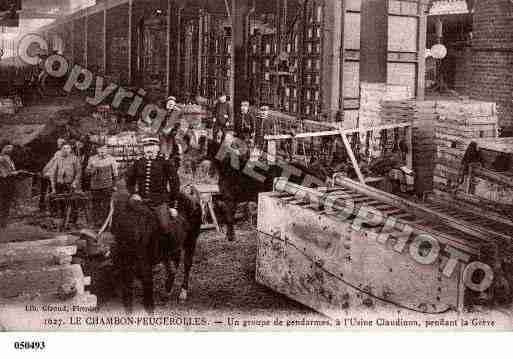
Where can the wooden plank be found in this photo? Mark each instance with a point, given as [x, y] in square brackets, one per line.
[36, 257]
[422, 211]
[338, 132]
[354, 162]
[67, 279]
[463, 202]
[60, 241]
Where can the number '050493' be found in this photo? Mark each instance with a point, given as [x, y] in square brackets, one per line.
[21, 345]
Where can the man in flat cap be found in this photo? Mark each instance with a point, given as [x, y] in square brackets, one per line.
[247, 122]
[222, 117]
[263, 125]
[169, 130]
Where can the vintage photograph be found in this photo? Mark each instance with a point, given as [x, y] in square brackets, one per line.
[256, 165]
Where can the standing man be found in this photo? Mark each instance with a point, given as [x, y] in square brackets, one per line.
[46, 183]
[222, 117]
[7, 175]
[263, 126]
[66, 175]
[155, 180]
[247, 122]
[169, 129]
[103, 170]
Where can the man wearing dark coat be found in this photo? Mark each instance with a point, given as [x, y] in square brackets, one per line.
[222, 117]
[7, 177]
[247, 124]
[154, 179]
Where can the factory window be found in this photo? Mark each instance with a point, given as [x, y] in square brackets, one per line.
[308, 95]
[296, 42]
[307, 109]
[310, 32]
[318, 64]
[295, 78]
[318, 48]
[309, 47]
[267, 62]
[229, 48]
[267, 48]
[317, 80]
[309, 64]
[287, 91]
[289, 47]
[317, 95]
[286, 106]
[267, 76]
[318, 31]
[295, 92]
[254, 67]
[294, 107]
[254, 48]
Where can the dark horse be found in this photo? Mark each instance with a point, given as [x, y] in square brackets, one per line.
[238, 185]
[140, 245]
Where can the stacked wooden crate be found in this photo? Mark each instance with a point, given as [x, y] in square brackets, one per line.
[396, 111]
[459, 123]
[43, 272]
[424, 149]
[372, 96]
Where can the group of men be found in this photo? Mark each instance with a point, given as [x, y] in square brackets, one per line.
[153, 178]
[252, 124]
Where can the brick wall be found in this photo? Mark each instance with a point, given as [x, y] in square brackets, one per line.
[492, 47]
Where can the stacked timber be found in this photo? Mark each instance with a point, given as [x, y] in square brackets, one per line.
[459, 123]
[372, 96]
[424, 149]
[397, 111]
[43, 272]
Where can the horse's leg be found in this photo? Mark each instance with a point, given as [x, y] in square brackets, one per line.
[127, 280]
[189, 249]
[172, 265]
[149, 301]
[231, 207]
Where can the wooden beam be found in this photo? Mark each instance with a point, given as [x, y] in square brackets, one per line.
[332, 43]
[239, 78]
[73, 60]
[86, 38]
[130, 40]
[200, 50]
[422, 211]
[104, 65]
[337, 132]
[44, 281]
[35, 257]
[352, 157]
[421, 52]
[168, 47]
[374, 41]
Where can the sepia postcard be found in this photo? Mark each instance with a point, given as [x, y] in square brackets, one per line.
[256, 166]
